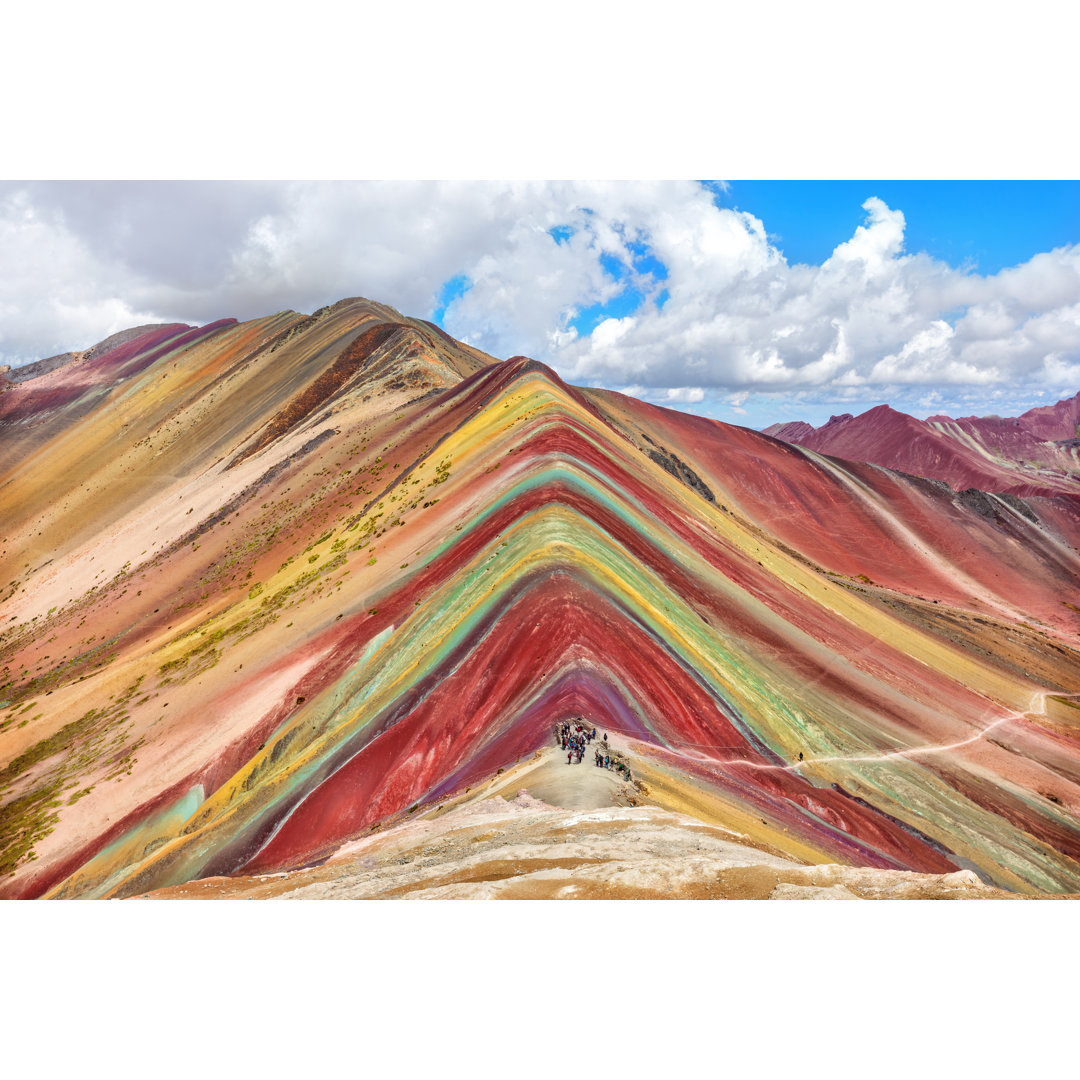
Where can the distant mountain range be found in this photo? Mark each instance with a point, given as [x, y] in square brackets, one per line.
[274, 589]
[1037, 453]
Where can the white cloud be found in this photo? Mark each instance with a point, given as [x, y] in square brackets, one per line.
[685, 395]
[1061, 373]
[78, 261]
[874, 244]
[870, 318]
[52, 298]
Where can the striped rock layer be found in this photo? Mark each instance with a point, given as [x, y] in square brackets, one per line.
[268, 585]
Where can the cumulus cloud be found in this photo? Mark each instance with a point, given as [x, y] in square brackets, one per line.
[685, 395]
[56, 291]
[875, 243]
[647, 284]
[870, 321]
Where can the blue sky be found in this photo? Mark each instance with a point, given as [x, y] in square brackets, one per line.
[641, 261]
[990, 224]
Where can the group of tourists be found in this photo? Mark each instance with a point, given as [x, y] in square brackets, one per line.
[606, 761]
[573, 736]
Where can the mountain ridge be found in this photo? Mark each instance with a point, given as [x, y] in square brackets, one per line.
[1036, 453]
[279, 584]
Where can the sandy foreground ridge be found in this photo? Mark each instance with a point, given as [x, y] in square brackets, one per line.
[544, 829]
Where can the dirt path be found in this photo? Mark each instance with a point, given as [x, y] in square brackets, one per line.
[548, 778]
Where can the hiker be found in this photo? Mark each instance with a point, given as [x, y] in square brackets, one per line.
[605, 738]
[569, 755]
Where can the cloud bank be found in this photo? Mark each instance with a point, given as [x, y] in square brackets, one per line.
[648, 286]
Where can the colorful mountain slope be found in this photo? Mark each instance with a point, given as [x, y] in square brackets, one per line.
[272, 584]
[1037, 453]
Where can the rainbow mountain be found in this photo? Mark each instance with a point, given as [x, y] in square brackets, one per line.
[274, 589]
